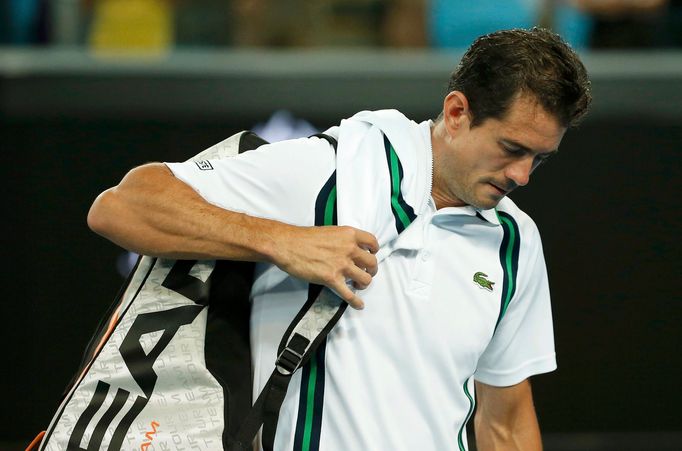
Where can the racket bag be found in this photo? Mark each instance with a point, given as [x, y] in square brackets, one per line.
[169, 367]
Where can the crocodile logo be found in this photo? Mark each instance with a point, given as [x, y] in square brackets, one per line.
[481, 281]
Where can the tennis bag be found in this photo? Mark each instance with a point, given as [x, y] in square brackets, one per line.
[169, 367]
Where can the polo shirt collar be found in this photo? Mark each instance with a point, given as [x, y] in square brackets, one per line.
[413, 236]
[489, 215]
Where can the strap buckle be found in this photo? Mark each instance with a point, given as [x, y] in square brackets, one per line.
[288, 361]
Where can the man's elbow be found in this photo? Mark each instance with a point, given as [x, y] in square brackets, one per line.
[100, 216]
[117, 208]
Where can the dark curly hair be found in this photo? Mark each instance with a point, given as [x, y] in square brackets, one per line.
[500, 65]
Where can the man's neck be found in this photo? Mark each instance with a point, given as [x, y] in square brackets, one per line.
[438, 146]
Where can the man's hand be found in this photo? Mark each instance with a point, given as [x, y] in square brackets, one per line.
[329, 256]
[153, 213]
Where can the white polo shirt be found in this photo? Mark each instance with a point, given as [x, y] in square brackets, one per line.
[463, 295]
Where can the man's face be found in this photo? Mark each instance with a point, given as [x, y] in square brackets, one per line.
[480, 165]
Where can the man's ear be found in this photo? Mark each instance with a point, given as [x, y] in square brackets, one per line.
[456, 113]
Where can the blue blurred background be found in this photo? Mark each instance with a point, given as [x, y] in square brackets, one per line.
[91, 88]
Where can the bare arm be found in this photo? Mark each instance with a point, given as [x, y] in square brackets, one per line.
[505, 418]
[153, 213]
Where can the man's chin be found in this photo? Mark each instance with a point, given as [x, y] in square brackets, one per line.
[487, 203]
[487, 195]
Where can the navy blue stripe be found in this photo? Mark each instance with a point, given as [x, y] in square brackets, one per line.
[409, 211]
[508, 290]
[302, 401]
[319, 397]
[318, 400]
[321, 202]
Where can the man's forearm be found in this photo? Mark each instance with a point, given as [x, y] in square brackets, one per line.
[153, 213]
[505, 419]
[520, 437]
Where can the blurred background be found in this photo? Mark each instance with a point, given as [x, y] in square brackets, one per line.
[91, 88]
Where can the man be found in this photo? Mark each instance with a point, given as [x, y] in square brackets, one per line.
[459, 295]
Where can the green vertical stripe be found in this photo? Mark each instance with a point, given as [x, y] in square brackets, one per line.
[508, 260]
[309, 406]
[509, 265]
[329, 207]
[460, 440]
[395, 183]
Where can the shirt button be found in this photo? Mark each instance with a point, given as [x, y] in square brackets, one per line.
[425, 255]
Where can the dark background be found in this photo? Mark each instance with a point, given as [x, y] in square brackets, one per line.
[607, 207]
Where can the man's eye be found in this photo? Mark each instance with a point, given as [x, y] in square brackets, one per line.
[512, 150]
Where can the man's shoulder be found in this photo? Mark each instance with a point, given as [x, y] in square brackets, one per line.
[523, 232]
[390, 121]
[378, 115]
[519, 218]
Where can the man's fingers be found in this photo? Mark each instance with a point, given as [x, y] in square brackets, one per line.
[347, 295]
[332, 256]
[367, 241]
[360, 278]
[365, 260]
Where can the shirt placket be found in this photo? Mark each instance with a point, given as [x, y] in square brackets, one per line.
[423, 269]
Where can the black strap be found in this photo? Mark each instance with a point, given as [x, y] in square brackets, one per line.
[266, 406]
[332, 141]
[273, 401]
[292, 356]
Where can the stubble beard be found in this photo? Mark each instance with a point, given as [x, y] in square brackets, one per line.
[479, 198]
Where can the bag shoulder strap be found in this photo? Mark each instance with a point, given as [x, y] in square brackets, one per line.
[299, 343]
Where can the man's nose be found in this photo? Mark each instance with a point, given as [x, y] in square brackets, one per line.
[519, 171]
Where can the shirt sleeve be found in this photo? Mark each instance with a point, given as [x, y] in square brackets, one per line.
[277, 181]
[523, 344]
